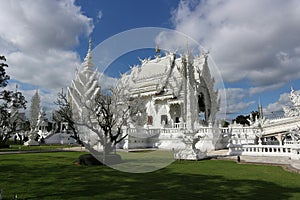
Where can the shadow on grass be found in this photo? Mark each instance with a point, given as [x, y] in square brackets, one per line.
[49, 180]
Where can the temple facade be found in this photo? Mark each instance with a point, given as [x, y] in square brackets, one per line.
[175, 91]
[177, 96]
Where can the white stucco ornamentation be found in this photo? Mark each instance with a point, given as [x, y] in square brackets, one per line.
[294, 110]
[82, 93]
[179, 99]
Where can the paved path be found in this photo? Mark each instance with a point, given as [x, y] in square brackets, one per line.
[292, 165]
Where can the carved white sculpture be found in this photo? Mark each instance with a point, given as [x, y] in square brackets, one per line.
[82, 93]
[84, 87]
[294, 110]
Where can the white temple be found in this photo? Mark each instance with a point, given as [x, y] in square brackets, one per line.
[177, 105]
[178, 96]
[174, 90]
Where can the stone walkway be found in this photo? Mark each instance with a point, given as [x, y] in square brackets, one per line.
[291, 165]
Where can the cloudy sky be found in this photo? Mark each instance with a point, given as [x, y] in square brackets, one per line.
[254, 43]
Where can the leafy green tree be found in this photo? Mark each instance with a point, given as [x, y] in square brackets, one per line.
[10, 103]
[242, 119]
[245, 119]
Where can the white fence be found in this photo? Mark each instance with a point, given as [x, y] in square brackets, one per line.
[292, 151]
[292, 143]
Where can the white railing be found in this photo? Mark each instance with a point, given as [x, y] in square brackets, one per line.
[143, 132]
[265, 150]
[225, 130]
[242, 129]
[170, 130]
[179, 125]
[292, 143]
[176, 128]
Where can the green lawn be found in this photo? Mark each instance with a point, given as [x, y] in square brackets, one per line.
[55, 176]
[43, 147]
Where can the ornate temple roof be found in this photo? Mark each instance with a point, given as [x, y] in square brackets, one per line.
[157, 75]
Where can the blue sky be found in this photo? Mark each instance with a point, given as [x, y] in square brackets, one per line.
[255, 44]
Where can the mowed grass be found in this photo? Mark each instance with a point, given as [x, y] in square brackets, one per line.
[43, 147]
[56, 176]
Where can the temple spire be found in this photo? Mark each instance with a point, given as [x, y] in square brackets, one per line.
[260, 109]
[87, 63]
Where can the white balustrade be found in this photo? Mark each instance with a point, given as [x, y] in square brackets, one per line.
[224, 130]
[266, 150]
[179, 125]
[292, 143]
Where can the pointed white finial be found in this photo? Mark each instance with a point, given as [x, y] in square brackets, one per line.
[90, 44]
[87, 63]
[260, 109]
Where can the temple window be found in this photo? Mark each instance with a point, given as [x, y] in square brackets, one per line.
[164, 119]
[150, 120]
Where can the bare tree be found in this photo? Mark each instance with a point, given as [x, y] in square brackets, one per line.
[112, 114]
[64, 114]
[106, 117]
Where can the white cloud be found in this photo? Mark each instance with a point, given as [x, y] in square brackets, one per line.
[275, 109]
[254, 40]
[100, 14]
[38, 37]
[256, 90]
[235, 102]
